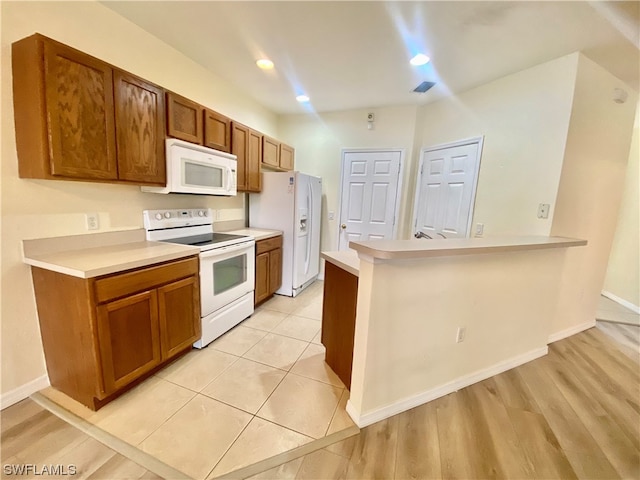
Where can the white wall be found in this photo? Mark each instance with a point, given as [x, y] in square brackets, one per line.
[319, 140]
[41, 208]
[590, 190]
[623, 271]
[524, 118]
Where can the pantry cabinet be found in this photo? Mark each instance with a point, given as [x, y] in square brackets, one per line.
[72, 121]
[268, 268]
[102, 335]
[246, 144]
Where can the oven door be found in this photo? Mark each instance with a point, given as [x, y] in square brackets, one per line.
[226, 274]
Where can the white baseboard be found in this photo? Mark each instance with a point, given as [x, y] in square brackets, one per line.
[621, 301]
[449, 387]
[554, 337]
[23, 391]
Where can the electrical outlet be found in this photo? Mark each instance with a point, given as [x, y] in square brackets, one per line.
[543, 210]
[93, 221]
[462, 331]
[479, 229]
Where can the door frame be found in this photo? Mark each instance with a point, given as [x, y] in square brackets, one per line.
[479, 140]
[398, 199]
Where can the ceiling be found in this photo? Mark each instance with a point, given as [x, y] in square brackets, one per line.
[347, 55]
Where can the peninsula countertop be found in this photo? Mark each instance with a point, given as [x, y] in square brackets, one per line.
[92, 255]
[422, 248]
[347, 260]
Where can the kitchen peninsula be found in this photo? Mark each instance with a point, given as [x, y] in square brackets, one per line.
[433, 316]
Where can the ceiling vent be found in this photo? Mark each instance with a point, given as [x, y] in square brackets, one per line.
[423, 87]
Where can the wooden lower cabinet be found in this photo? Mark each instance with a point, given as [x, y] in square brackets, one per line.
[268, 268]
[339, 320]
[102, 335]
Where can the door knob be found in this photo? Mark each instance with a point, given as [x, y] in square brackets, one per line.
[343, 226]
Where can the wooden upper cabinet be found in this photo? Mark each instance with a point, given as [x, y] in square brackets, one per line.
[80, 114]
[217, 131]
[140, 129]
[239, 147]
[184, 118]
[254, 179]
[79, 118]
[270, 152]
[247, 147]
[286, 157]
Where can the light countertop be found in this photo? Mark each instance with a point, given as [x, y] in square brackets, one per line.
[420, 248]
[257, 233]
[346, 260]
[92, 255]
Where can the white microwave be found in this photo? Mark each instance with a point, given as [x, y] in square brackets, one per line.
[198, 170]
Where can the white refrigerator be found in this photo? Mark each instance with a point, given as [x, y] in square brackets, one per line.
[290, 201]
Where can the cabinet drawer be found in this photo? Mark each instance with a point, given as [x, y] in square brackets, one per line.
[268, 244]
[129, 283]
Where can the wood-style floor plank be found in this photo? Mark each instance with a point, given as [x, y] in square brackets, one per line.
[373, 455]
[418, 451]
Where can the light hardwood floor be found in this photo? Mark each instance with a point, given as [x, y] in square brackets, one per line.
[574, 413]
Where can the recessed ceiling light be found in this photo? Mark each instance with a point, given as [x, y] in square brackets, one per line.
[264, 64]
[419, 59]
[302, 98]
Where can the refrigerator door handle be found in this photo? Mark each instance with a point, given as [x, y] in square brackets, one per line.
[309, 227]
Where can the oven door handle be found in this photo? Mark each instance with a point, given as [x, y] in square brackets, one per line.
[230, 249]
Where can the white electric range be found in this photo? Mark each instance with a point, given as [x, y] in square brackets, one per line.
[227, 266]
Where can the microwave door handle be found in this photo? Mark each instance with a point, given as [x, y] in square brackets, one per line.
[229, 179]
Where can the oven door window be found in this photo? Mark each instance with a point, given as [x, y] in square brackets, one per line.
[200, 175]
[229, 273]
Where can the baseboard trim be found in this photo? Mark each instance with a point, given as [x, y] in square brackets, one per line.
[554, 337]
[449, 387]
[24, 391]
[621, 301]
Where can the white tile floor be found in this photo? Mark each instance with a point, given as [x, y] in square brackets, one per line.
[261, 389]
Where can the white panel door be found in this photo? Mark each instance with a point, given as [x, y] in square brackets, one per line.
[370, 182]
[446, 190]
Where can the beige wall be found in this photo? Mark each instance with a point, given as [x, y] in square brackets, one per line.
[405, 351]
[590, 190]
[319, 140]
[623, 271]
[524, 118]
[39, 208]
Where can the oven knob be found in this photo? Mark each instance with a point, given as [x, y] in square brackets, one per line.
[167, 214]
[158, 216]
[201, 213]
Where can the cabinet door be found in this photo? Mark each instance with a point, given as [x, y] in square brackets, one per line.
[129, 339]
[184, 118]
[217, 131]
[139, 107]
[254, 157]
[262, 277]
[80, 114]
[286, 157]
[275, 270]
[239, 145]
[270, 152]
[179, 314]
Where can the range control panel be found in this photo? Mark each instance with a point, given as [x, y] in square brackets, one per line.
[159, 219]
